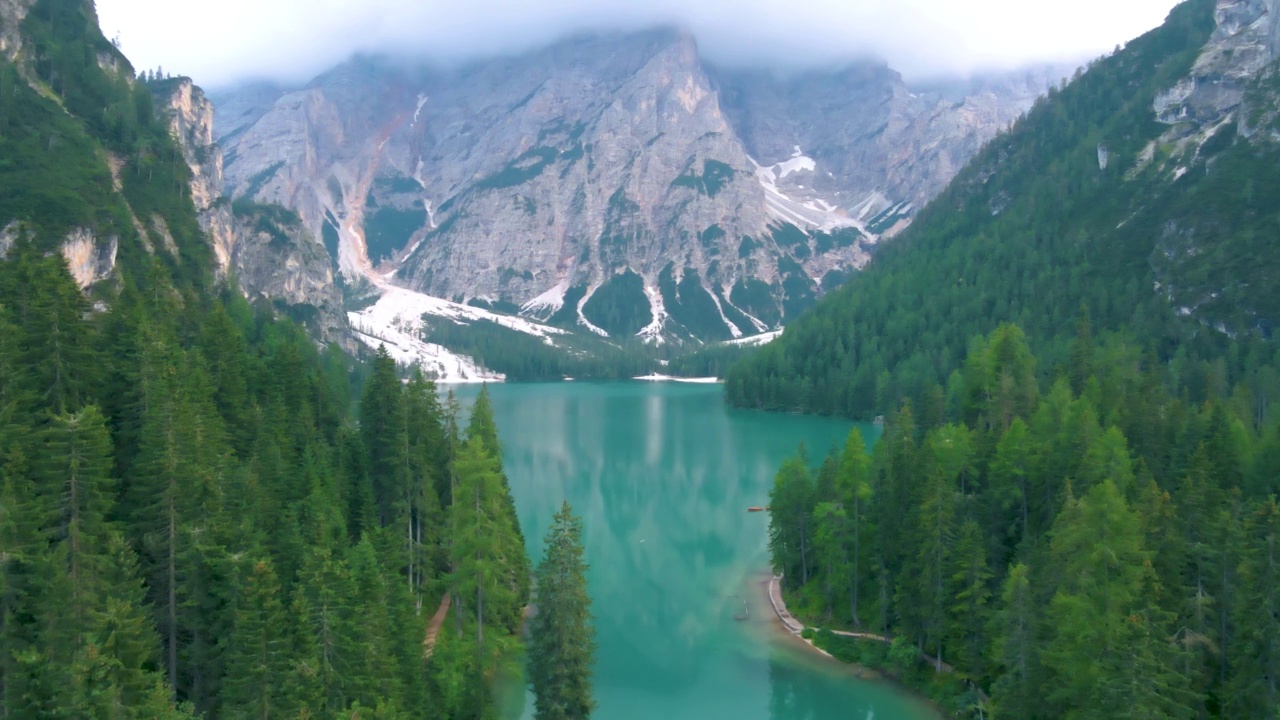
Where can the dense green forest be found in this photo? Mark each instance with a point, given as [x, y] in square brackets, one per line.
[201, 512]
[194, 508]
[1081, 521]
[1037, 227]
[1090, 547]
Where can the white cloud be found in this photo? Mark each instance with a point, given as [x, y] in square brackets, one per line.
[232, 40]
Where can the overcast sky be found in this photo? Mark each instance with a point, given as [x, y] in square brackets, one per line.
[233, 40]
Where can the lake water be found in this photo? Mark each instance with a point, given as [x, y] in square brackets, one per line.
[662, 475]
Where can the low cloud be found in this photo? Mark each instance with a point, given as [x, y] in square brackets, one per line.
[293, 40]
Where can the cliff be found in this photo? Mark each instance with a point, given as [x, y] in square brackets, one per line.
[614, 182]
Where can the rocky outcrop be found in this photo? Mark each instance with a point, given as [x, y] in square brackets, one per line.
[12, 13]
[607, 177]
[266, 249]
[89, 260]
[877, 140]
[8, 236]
[1246, 40]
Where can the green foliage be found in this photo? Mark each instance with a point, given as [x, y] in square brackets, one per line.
[1029, 232]
[194, 519]
[389, 229]
[619, 306]
[714, 176]
[51, 173]
[709, 237]
[276, 221]
[798, 290]
[521, 170]
[709, 361]
[689, 303]
[1040, 553]
[561, 639]
[756, 297]
[788, 235]
[261, 178]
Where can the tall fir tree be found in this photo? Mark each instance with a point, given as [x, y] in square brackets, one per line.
[561, 637]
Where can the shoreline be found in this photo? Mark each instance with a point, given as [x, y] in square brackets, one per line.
[773, 586]
[788, 624]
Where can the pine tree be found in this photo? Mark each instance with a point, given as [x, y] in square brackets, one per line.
[75, 477]
[486, 553]
[1254, 687]
[832, 541]
[790, 520]
[561, 638]
[970, 613]
[1015, 692]
[484, 428]
[1009, 483]
[929, 535]
[257, 651]
[1107, 654]
[856, 494]
[382, 424]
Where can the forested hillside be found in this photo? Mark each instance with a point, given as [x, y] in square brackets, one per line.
[202, 513]
[1089, 205]
[1078, 521]
[1092, 547]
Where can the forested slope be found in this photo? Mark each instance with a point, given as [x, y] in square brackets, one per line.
[201, 513]
[1089, 205]
[1089, 549]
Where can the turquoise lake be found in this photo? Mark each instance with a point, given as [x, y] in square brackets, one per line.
[662, 475]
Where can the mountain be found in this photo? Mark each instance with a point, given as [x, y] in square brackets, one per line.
[1142, 195]
[84, 193]
[266, 249]
[616, 183]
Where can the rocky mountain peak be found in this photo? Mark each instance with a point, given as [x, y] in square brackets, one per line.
[265, 247]
[616, 182]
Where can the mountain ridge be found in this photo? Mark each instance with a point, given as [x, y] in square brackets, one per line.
[540, 180]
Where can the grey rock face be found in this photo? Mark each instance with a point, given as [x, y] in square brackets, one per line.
[1246, 40]
[537, 181]
[89, 259]
[12, 13]
[268, 250]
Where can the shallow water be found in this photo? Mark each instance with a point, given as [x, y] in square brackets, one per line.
[662, 475]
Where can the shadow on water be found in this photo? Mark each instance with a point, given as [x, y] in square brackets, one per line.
[662, 476]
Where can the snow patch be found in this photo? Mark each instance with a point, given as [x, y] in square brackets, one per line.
[548, 302]
[733, 329]
[796, 164]
[805, 214]
[431, 216]
[582, 318]
[422, 100]
[756, 340]
[655, 377]
[653, 331]
[395, 321]
[760, 326]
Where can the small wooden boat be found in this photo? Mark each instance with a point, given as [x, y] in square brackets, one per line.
[755, 508]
